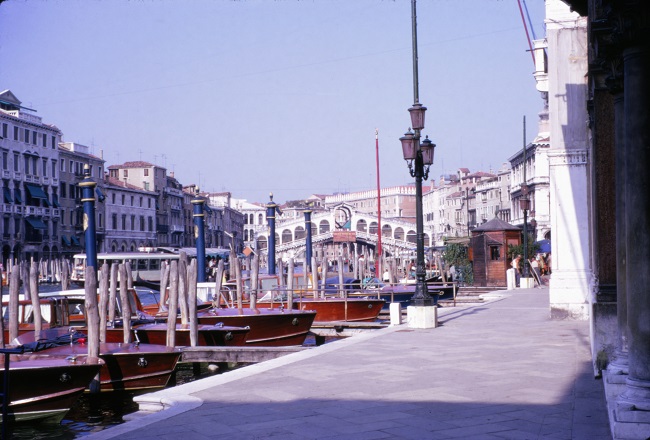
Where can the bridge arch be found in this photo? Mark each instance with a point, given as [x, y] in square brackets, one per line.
[362, 225]
[286, 236]
[373, 228]
[324, 226]
[386, 231]
[299, 233]
[411, 236]
[399, 233]
[262, 243]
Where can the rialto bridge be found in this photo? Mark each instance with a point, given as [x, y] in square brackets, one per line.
[341, 231]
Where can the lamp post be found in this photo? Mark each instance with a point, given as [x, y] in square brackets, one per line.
[199, 235]
[308, 243]
[90, 235]
[419, 157]
[271, 209]
[524, 204]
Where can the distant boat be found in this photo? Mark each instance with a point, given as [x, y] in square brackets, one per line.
[44, 387]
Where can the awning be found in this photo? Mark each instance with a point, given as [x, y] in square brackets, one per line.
[35, 191]
[66, 241]
[7, 195]
[36, 223]
[55, 201]
[17, 196]
[75, 240]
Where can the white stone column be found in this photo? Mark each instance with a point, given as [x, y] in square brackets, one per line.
[572, 277]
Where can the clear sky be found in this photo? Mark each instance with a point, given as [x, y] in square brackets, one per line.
[281, 96]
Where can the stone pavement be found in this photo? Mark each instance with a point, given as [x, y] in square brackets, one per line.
[498, 370]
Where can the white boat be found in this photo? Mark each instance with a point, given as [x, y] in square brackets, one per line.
[145, 266]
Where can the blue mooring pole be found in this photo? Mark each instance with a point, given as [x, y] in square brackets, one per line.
[271, 209]
[90, 233]
[308, 248]
[199, 236]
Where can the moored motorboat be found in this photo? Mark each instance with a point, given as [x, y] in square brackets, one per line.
[342, 309]
[127, 367]
[217, 335]
[268, 327]
[44, 388]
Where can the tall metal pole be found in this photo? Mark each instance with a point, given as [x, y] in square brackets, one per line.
[524, 190]
[199, 236]
[379, 272]
[421, 296]
[90, 234]
[271, 209]
[308, 240]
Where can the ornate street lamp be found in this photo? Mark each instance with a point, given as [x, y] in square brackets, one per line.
[419, 157]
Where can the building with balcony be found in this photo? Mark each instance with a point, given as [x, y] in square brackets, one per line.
[30, 183]
[73, 157]
[131, 217]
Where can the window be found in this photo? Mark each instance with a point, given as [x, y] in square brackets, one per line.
[124, 222]
[140, 201]
[132, 199]
[53, 169]
[146, 186]
[5, 160]
[146, 172]
[35, 166]
[114, 221]
[495, 253]
[150, 221]
[99, 219]
[132, 222]
[113, 198]
[149, 200]
[113, 174]
[126, 173]
[71, 169]
[142, 223]
[5, 128]
[44, 167]
[26, 164]
[44, 140]
[123, 199]
[62, 165]
[53, 142]
[26, 137]
[15, 133]
[34, 137]
[63, 187]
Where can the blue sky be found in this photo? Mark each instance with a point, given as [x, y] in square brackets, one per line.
[279, 96]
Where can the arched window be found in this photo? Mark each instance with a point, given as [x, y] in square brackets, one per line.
[399, 234]
[362, 226]
[286, 236]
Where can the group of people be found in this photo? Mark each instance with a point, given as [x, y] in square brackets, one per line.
[539, 263]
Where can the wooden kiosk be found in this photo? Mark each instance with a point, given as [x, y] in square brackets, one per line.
[489, 245]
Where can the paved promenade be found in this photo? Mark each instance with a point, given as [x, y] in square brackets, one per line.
[499, 370]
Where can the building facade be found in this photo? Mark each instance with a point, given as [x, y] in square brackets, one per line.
[30, 183]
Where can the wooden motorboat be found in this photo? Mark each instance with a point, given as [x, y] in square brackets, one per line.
[342, 309]
[217, 335]
[268, 327]
[127, 367]
[44, 388]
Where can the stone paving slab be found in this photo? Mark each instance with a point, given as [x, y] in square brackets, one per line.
[496, 370]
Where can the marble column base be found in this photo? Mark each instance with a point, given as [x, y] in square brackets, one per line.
[422, 316]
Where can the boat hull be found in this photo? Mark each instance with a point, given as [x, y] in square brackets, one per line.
[268, 327]
[127, 367]
[43, 388]
[340, 309]
[208, 335]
